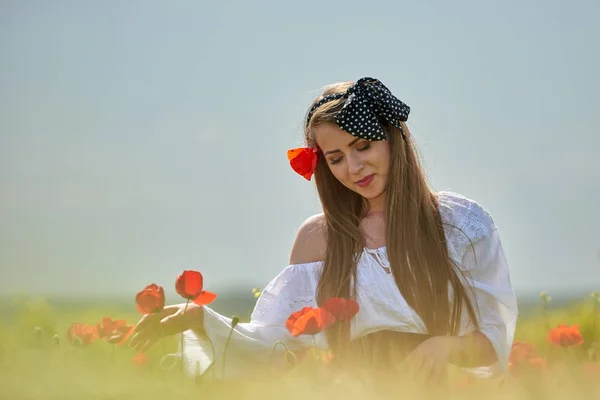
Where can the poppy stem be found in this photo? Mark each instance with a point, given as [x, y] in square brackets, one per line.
[181, 339]
[277, 343]
[234, 322]
[596, 299]
[545, 299]
[212, 366]
[317, 358]
[112, 355]
[545, 311]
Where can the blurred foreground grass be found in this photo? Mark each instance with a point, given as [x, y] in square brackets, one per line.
[44, 365]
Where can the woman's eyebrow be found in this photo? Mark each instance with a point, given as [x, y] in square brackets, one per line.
[338, 150]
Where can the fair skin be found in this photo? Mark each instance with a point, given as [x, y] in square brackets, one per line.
[350, 160]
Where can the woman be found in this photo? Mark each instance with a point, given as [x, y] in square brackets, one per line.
[427, 269]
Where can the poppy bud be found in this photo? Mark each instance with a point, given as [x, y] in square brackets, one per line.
[290, 357]
[38, 333]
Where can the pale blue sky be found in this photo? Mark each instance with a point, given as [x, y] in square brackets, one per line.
[141, 138]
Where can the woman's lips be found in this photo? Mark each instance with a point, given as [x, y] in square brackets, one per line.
[366, 181]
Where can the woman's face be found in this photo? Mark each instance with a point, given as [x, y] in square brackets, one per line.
[359, 164]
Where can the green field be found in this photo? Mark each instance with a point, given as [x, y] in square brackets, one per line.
[38, 362]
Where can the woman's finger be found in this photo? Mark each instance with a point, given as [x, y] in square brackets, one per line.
[146, 320]
[437, 375]
[428, 373]
[142, 335]
[418, 363]
[171, 325]
[155, 318]
[143, 347]
[405, 366]
[139, 344]
[147, 340]
[146, 337]
[424, 368]
[138, 340]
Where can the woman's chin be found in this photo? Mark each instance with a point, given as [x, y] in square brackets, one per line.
[372, 194]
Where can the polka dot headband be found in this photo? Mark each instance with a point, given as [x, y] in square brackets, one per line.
[367, 101]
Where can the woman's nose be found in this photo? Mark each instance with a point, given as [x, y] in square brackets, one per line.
[355, 165]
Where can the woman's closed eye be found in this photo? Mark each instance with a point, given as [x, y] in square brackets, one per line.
[364, 147]
[335, 160]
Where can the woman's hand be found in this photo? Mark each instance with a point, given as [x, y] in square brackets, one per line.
[170, 321]
[427, 362]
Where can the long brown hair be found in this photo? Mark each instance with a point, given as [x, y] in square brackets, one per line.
[415, 239]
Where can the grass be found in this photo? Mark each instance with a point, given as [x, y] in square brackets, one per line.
[32, 366]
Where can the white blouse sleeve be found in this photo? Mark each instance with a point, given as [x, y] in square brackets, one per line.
[250, 343]
[496, 306]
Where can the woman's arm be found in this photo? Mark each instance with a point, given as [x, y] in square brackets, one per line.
[483, 352]
[489, 285]
[309, 244]
[470, 351]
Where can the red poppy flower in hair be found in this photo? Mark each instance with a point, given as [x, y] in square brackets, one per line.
[303, 160]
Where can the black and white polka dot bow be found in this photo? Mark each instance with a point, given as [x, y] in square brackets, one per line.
[367, 100]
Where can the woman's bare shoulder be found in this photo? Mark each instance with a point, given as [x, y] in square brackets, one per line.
[310, 243]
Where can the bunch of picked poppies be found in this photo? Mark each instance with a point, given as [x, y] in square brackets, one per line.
[189, 285]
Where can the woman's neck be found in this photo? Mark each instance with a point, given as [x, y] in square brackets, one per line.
[377, 205]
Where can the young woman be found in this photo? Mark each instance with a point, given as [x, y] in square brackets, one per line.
[426, 268]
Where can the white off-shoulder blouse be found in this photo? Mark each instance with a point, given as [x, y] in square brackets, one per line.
[382, 307]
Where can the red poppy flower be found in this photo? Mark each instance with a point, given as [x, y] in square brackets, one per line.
[140, 359]
[189, 286]
[342, 309]
[309, 321]
[151, 299]
[82, 334]
[565, 336]
[521, 352]
[531, 365]
[303, 160]
[464, 383]
[537, 363]
[327, 358]
[108, 326]
[120, 335]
